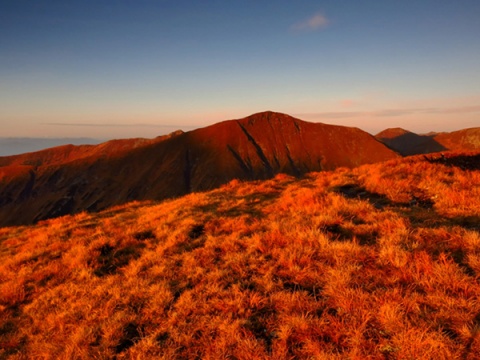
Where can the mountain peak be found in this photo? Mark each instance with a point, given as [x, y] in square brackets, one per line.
[391, 133]
[268, 116]
[273, 122]
[268, 113]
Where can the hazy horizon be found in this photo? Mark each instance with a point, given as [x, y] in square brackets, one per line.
[122, 69]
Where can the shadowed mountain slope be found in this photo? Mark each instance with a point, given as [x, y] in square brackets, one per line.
[408, 143]
[70, 179]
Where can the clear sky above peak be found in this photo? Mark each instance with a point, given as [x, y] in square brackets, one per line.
[113, 69]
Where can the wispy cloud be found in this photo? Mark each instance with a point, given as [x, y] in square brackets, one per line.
[457, 110]
[105, 125]
[315, 22]
[330, 115]
[392, 112]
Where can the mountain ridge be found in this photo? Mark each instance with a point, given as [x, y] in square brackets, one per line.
[15, 145]
[408, 143]
[68, 179]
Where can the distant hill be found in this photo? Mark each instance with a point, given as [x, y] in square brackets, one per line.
[467, 139]
[69, 179]
[408, 143]
[20, 145]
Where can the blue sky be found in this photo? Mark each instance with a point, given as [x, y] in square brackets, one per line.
[115, 69]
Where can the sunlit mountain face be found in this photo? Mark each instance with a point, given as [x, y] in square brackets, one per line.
[70, 179]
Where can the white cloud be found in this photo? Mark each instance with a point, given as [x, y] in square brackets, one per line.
[315, 22]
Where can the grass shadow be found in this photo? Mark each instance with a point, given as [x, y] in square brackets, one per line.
[354, 191]
[131, 335]
[110, 259]
[464, 162]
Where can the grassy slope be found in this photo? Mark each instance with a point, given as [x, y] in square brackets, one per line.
[379, 262]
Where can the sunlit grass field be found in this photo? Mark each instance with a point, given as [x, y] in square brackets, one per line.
[378, 262]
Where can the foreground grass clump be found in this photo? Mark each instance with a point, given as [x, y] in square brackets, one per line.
[378, 262]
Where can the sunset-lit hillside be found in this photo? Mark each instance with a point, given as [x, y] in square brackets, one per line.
[69, 179]
[376, 262]
[408, 143]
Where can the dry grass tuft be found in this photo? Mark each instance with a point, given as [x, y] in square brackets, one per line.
[378, 262]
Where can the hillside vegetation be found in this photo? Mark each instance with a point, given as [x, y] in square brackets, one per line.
[378, 262]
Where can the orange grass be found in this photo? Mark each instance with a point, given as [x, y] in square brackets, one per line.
[378, 262]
